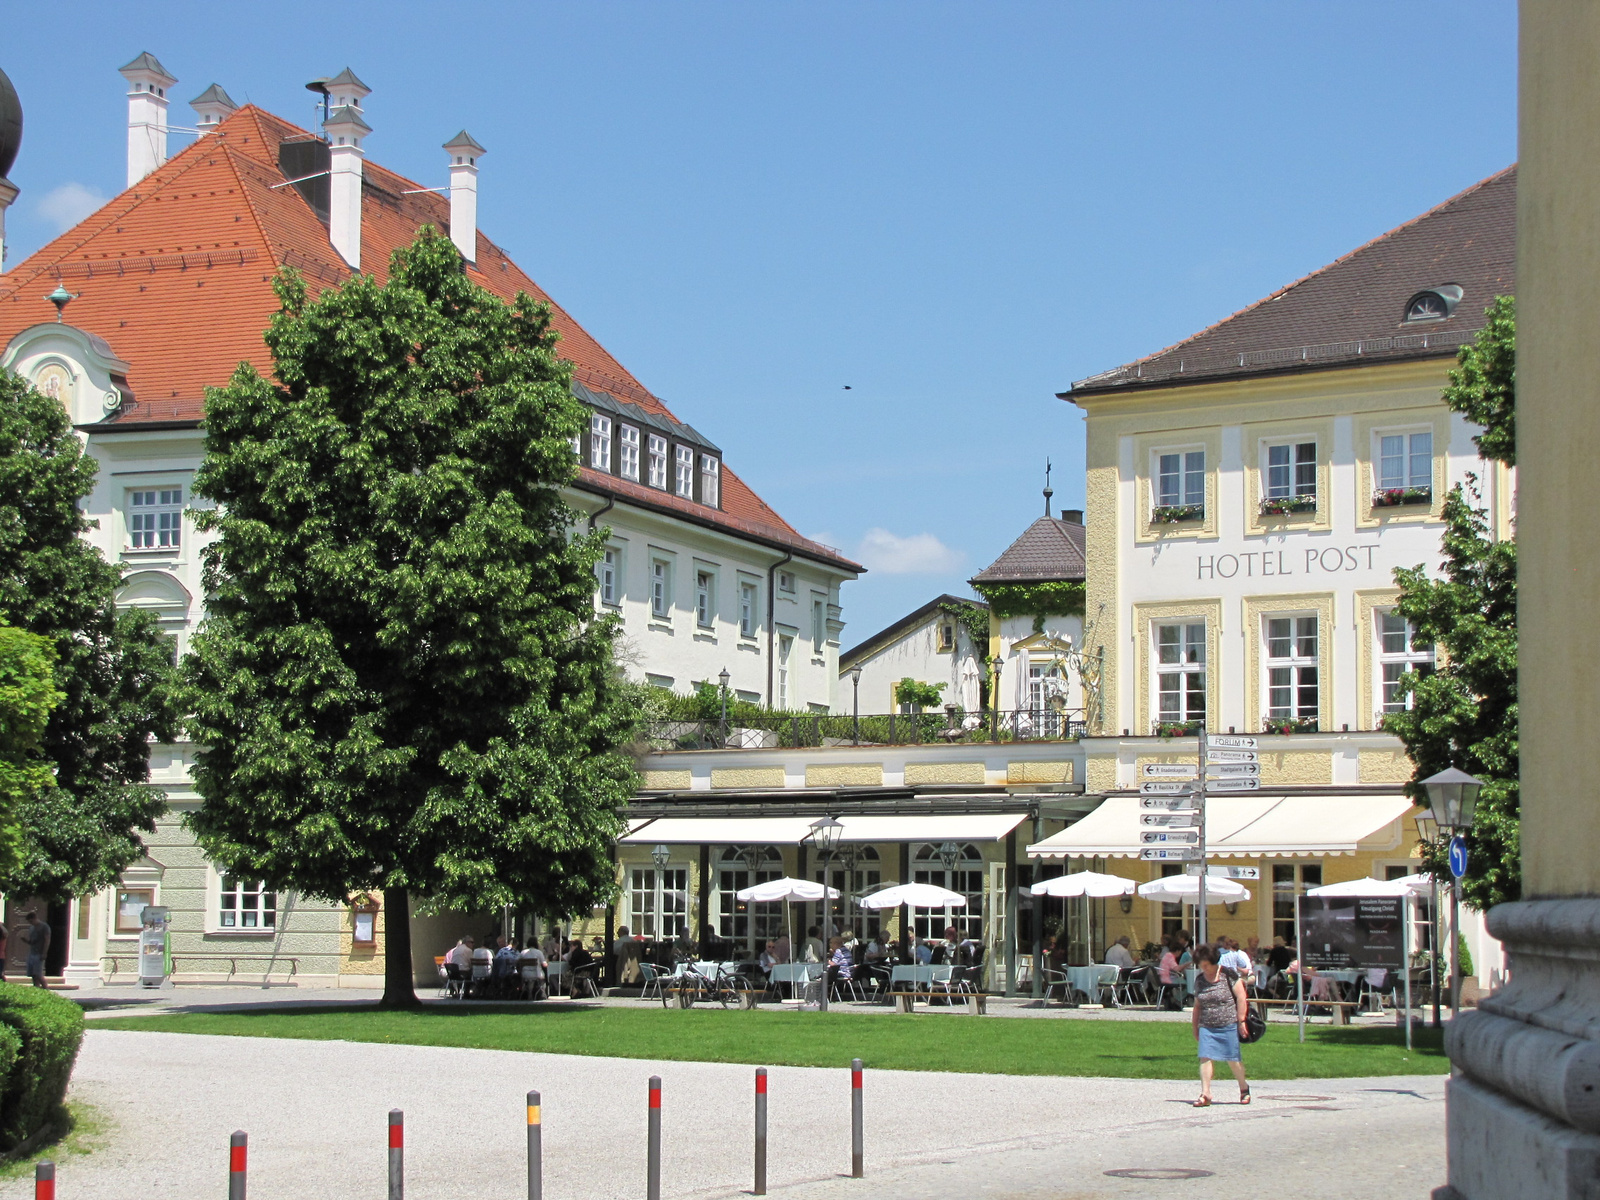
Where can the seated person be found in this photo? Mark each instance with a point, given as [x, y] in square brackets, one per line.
[780, 949]
[1169, 969]
[769, 957]
[876, 951]
[531, 965]
[840, 963]
[577, 959]
[1118, 955]
[460, 955]
[504, 969]
[921, 951]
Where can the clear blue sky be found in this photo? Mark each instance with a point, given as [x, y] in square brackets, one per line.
[955, 209]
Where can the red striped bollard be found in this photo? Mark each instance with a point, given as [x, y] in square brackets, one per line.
[761, 1131]
[653, 1143]
[237, 1148]
[397, 1154]
[856, 1134]
[44, 1181]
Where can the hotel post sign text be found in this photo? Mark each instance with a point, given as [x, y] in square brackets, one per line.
[1262, 564]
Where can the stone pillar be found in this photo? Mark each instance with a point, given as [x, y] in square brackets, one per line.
[1524, 1105]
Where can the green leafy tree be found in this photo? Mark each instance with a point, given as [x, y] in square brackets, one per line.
[1465, 713]
[402, 682]
[113, 667]
[28, 694]
[917, 694]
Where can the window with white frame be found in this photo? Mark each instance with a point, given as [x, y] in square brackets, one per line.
[1181, 478]
[1399, 650]
[965, 875]
[660, 589]
[245, 904]
[155, 518]
[710, 480]
[610, 561]
[1405, 460]
[819, 626]
[751, 925]
[704, 598]
[1293, 692]
[747, 609]
[685, 476]
[786, 581]
[658, 901]
[628, 452]
[1292, 470]
[1181, 672]
[658, 461]
[785, 647]
[600, 442]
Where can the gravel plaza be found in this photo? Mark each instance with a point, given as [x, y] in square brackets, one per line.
[315, 1112]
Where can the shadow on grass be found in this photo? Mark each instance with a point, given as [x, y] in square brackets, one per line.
[78, 1128]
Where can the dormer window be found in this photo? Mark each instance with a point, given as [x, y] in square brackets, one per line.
[658, 461]
[685, 474]
[710, 477]
[629, 453]
[600, 442]
[1433, 304]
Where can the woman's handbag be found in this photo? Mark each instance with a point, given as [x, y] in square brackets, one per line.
[1255, 1024]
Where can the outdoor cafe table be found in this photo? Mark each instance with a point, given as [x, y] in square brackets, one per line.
[1090, 980]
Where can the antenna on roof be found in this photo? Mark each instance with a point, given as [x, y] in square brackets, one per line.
[1047, 492]
[320, 86]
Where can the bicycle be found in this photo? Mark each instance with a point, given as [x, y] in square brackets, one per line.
[691, 985]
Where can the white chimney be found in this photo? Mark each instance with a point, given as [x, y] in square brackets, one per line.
[464, 152]
[211, 108]
[148, 82]
[345, 129]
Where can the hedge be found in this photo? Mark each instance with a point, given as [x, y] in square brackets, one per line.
[39, 1037]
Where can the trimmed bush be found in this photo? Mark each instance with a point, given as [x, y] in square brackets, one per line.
[39, 1037]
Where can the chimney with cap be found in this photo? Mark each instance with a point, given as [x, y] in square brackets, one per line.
[211, 108]
[148, 82]
[345, 128]
[464, 153]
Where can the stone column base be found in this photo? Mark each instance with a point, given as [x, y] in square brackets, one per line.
[1524, 1105]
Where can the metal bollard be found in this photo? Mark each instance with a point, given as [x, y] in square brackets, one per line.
[761, 1131]
[397, 1154]
[237, 1149]
[653, 1147]
[535, 1149]
[856, 1135]
[44, 1181]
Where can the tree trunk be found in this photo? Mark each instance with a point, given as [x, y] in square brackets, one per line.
[398, 989]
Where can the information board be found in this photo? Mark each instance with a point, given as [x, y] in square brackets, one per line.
[1352, 932]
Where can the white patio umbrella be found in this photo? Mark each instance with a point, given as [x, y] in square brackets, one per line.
[1370, 887]
[969, 684]
[918, 895]
[1084, 883]
[1173, 888]
[786, 891]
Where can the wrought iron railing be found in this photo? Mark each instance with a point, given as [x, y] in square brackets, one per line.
[787, 731]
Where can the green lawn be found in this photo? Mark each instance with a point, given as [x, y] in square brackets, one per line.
[1012, 1046]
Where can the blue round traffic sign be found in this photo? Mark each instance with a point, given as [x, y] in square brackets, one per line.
[1458, 856]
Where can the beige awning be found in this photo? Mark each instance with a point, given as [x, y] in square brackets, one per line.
[780, 831]
[1249, 826]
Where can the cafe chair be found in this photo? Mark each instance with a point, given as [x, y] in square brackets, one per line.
[533, 983]
[455, 984]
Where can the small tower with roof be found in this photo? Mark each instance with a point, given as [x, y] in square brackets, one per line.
[211, 108]
[346, 128]
[464, 152]
[148, 84]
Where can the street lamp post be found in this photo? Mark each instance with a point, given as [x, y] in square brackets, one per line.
[949, 855]
[1453, 800]
[722, 678]
[1428, 831]
[659, 855]
[855, 718]
[825, 833]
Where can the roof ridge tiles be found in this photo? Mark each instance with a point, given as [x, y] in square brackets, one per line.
[1388, 235]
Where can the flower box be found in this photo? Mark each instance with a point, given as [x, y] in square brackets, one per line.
[1288, 725]
[1395, 497]
[1278, 506]
[1172, 729]
[1173, 514]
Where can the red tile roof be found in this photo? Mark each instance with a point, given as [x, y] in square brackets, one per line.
[1351, 311]
[176, 274]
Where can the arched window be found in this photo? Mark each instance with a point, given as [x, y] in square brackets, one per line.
[964, 874]
[853, 871]
[1433, 304]
[747, 925]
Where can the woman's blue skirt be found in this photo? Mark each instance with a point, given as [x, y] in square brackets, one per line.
[1219, 1045]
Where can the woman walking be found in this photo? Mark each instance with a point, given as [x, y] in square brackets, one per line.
[1220, 1008]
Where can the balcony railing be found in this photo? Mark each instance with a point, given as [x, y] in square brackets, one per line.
[788, 731]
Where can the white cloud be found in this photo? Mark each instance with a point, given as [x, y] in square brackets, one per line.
[68, 204]
[919, 554]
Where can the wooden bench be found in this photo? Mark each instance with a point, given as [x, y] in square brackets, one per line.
[906, 998]
[1340, 1016]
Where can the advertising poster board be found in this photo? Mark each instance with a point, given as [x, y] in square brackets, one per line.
[1352, 932]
